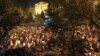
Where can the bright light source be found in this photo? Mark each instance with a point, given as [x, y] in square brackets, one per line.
[95, 2]
[41, 6]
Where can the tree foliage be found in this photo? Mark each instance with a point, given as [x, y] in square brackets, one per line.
[76, 12]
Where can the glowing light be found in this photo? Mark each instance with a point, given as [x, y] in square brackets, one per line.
[46, 22]
[95, 2]
[41, 6]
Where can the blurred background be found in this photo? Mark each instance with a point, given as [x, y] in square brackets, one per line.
[49, 27]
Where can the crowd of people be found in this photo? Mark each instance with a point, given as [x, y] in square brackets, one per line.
[31, 37]
[90, 36]
[38, 40]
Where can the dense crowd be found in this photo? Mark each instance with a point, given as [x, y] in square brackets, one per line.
[38, 40]
[31, 37]
[90, 37]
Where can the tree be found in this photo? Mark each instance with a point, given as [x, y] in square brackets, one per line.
[10, 18]
[77, 12]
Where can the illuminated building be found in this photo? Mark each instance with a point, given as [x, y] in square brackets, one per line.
[41, 6]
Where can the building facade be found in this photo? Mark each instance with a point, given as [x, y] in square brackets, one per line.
[41, 6]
